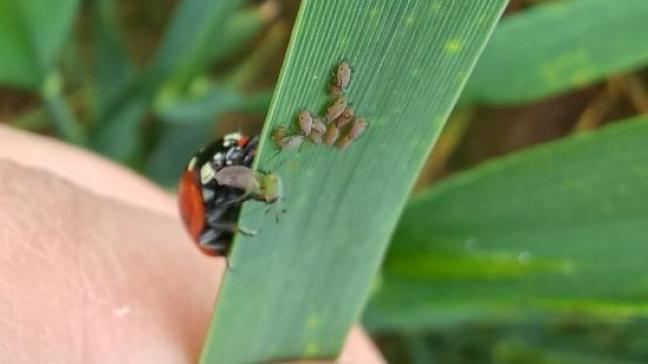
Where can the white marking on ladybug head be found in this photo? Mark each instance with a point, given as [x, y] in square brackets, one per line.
[206, 173]
[231, 139]
[192, 163]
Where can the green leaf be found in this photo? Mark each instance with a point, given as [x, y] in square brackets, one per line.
[186, 46]
[562, 226]
[182, 55]
[556, 47]
[189, 124]
[239, 30]
[295, 288]
[113, 66]
[209, 103]
[31, 34]
[64, 120]
[560, 339]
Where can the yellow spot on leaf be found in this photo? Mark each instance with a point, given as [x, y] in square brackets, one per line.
[580, 77]
[573, 66]
[452, 46]
[311, 349]
[312, 322]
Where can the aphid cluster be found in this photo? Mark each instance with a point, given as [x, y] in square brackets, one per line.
[339, 126]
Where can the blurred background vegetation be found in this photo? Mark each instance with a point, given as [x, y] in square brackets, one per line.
[145, 83]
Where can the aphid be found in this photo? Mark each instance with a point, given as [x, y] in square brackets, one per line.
[290, 142]
[357, 128]
[336, 109]
[257, 185]
[278, 134]
[319, 126]
[237, 176]
[316, 137]
[334, 90]
[332, 133]
[342, 79]
[210, 209]
[284, 141]
[305, 122]
[345, 118]
[343, 76]
[344, 142]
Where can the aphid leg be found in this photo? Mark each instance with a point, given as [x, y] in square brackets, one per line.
[275, 155]
[276, 214]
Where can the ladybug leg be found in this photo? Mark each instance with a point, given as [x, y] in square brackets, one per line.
[251, 145]
[214, 242]
[220, 222]
[230, 227]
[247, 195]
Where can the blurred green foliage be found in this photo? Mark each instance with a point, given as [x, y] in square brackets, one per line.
[31, 35]
[560, 46]
[559, 229]
[118, 95]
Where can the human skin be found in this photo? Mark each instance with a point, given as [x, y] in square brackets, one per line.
[95, 266]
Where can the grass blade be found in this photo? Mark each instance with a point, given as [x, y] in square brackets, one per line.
[560, 46]
[181, 57]
[297, 287]
[213, 101]
[31, 35]
[241, 27]
[527, 231]
[64, 120]
[113, 66]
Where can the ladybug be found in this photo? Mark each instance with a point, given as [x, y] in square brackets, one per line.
[217, 180]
